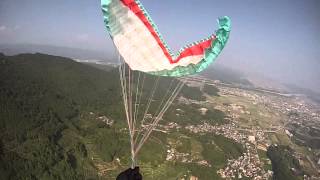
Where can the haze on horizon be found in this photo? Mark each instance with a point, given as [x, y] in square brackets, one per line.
[279, 39]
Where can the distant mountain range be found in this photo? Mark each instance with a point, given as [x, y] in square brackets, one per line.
[216, 72]
[74, 53]
[90, 56]
[227, 75]
[247, 80]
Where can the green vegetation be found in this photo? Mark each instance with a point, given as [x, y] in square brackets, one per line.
[190, 114]
[215, 149]
[305, 136]
[42, 100]
[50, 127]
[211, 90]
[265, 160]
[284, 165]
[192, 93]
[218, 149]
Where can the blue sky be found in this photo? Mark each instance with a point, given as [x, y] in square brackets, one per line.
[276, 38]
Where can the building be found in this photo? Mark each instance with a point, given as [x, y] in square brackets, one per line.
[252, 139]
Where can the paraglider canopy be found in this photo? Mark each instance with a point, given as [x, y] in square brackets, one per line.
[142, 47]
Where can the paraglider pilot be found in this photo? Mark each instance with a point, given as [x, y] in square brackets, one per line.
[130, 174]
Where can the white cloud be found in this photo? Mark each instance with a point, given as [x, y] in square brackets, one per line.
[4, 28]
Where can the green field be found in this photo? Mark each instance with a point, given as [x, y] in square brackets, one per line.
[267, 165]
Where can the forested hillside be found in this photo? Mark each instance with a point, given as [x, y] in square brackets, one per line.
[49, 117]
[42, 97]
[284, 165]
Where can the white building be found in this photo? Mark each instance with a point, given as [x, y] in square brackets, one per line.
[252, 139]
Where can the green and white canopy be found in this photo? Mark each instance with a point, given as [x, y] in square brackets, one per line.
[142, 47]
